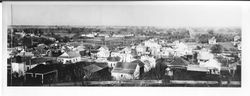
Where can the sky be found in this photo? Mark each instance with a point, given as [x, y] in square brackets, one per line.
[127, 15]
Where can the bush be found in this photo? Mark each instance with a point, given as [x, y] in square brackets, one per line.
[217, 48]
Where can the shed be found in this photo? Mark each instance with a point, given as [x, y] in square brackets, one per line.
[43, 73]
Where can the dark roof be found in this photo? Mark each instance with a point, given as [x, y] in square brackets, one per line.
[125, 67]
[113, 58]
[43, 68]
[38, 60]
[178, 61]
[101, 64]
[94, 51]
[95, 67]
[139, 62]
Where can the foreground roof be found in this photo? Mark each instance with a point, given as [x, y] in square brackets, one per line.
[95, 67]
[125, 67]
[43, 68]
[179, 62]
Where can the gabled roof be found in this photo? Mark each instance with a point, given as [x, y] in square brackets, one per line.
[70, 54]
[95, 67]
[124, 67]
[43, 68]
[92, 68]
[179, 62]
[80, 47]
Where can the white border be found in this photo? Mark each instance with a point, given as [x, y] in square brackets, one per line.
[129, 2]
[139, 91]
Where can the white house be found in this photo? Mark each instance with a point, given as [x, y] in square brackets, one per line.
[149, 60]
[239, 46]
[104, 35]
[206, 59]
[212, 40]
[103, 52]
[115, 54]
[166, 52]
[140, 49]
[126, 50]
[118, 35]
[126, 57]
[236, 38]
[25, 54]
[154, 47]
[18, 67]
[112, 61]
[182, 49]
[69, 57]
[125, 71]
[89, 35]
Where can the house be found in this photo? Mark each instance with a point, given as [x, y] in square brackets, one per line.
[97, 71]
[239, 46]
[103, 52]
[125, 71]
[140, 49]
[112, 61]
[11, 52]
[22, 34]
[181, 49]
[237, 38]
[141, 68]
[69, 57]
[126, 50]
[93, 53]
[33, 62]
[18, 68]
[115, 54]
[88, 35]
[166, 52]
[153, 46]
[65, 48]
[42, 74]
[79, 48]
[104, 35]
[126, 57]
[206, 59]
[25, 54]
[150, 60]
[178, 62]
[212, 41]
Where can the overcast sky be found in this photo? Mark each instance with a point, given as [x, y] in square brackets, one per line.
[131, 15]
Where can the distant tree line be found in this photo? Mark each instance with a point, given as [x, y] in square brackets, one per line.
[170, 34]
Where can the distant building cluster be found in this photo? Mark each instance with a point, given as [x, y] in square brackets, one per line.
[47, 63]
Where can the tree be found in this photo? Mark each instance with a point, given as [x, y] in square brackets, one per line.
[211, 32]
[204, 38]
[217, 48]
[27, 41]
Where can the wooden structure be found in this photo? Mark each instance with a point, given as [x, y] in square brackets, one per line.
[42, 73]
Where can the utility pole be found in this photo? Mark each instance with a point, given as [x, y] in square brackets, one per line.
[11, 45]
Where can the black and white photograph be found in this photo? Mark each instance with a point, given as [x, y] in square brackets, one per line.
[129, 44]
